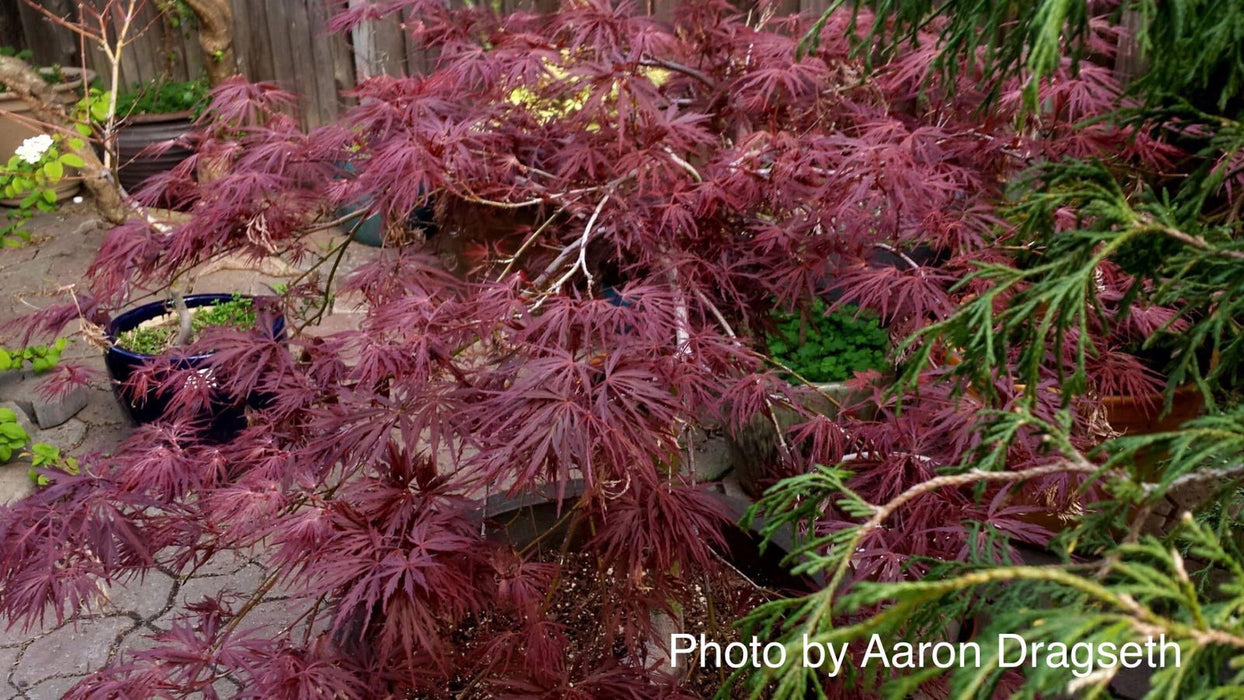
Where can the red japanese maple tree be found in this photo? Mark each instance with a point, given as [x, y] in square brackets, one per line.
[619, 204]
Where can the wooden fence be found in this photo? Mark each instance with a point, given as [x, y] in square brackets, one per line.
[284, 41]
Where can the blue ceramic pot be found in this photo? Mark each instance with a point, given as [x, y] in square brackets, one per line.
[369, 231]
[224, 418]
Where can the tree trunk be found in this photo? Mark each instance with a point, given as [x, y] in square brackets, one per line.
[24, 82]
[216, 38]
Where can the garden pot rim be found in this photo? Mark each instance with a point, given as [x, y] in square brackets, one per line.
[566, 492]
[157, 118]
[81, 77]
[1185, 391]
[120, 324]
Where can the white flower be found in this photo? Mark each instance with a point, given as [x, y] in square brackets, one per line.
[33, 148]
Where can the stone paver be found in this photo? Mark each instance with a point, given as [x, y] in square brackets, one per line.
[52, 688]
[241, 585]
[75, 649]
[14, 484]
[146, 598]
[8, 657]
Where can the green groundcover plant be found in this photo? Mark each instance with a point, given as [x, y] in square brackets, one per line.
[826, 346]
[164, 97]
[155, 337]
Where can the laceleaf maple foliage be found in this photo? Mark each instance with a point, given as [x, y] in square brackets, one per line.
[620, 203]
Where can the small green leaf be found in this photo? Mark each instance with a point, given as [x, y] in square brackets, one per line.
[99, 110]
[72, 160]
[14, 433]
[54, 170]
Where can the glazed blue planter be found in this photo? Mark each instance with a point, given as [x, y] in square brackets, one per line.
[224, 419]
[369, 230]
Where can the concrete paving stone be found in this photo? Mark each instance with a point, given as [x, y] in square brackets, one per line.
[70, 650]
[225, 689]
[16, 635]
[223, 564]
[8, 657]
[242, 583]
[18, 387]
[15, 484]
[67, 436]
[53, 411]
[140, 638]
[278, 616]
[53, 688]
[103, 438]
[146, 597]
[102, 407]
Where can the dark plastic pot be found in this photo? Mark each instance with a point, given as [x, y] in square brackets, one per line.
[754, 449]
[369, 231]
[225, 419]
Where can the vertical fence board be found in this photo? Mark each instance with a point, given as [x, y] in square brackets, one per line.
[344, 75]
[327, 103]
[49, 43]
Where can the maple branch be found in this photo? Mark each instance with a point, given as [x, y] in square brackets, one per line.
[581, 246]
[716, 313]
[682, 163]
[678, 68]
[509, 264]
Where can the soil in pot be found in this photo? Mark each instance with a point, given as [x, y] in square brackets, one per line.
[150, 327]
[741, 578]
[156, 335]
[488, 648]
[584, 592]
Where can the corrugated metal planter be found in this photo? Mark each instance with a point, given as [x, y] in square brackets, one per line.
[141, 131]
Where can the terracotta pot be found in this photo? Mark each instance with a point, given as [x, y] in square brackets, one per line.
[1142, 415]
[15, 114]
[1131, 415]
[140, 131]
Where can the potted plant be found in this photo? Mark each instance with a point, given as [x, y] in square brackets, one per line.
[156, 123]
[143, 336]
[36, 178]
[821, 348]
[17, 122]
